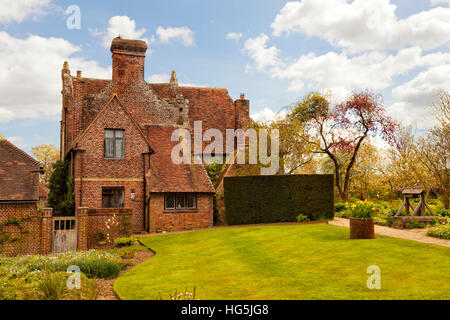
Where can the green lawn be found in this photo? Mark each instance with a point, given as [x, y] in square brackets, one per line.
[286, 262]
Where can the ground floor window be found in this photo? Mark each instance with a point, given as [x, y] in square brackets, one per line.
[112, 197]
[180, 201]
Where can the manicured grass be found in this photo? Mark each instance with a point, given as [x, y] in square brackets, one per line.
[286, 262]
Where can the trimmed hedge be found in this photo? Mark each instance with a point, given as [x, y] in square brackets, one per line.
[268, 199]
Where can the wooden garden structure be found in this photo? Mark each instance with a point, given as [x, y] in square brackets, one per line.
[419, 210]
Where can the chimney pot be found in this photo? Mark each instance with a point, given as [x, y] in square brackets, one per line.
[79, 72]
[242, 96]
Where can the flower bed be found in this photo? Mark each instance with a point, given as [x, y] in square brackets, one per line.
[43, 277]
[442, 232]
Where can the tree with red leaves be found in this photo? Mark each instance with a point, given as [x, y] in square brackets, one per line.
[343, 128]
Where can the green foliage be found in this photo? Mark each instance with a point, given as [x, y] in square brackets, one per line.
[214, 170]
[443, 212]
[339, 206]
[383, 221]
[442, 231]
[362, 209]
[13, 221]
[101, 235]
[53, 286]
[281, 198]
[415, 224]
[61, 194]
[125, 242]
[313, 105]
[99, 268]
[302, 218]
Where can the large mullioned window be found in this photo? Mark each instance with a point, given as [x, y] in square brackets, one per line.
[180, 201]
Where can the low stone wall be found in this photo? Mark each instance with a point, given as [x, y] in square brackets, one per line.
[24, 229]
[92, 221]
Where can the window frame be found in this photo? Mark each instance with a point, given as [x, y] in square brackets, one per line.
[175, 195]
[113, 188]
[114, 139]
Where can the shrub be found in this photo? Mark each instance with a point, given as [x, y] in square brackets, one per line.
[443, 212]
[442, 231]
[124, 242]
[339, 206]
[279, 198]
[392, 212]
[101, 235]
[414, 224]
[302, 218]
[99, 268]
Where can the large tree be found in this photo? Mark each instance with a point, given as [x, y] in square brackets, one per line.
[434, 149]
[47, 155]
[331, 130]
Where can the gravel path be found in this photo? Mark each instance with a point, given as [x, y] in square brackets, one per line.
[419, 235]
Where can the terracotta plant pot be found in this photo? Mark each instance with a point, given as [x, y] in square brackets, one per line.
[362, 228]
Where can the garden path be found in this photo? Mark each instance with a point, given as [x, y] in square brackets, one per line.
[419, 235]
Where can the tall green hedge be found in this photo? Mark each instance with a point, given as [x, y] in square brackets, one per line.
[268, 199]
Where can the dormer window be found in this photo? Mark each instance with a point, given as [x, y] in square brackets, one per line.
[114, 143]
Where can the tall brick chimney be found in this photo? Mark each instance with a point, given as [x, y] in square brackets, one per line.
[242, 112]
[128, 58]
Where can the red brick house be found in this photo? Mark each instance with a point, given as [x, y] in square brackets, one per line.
[21, 222]
[117, 135]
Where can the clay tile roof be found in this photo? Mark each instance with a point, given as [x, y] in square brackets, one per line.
[19, 176]
[211, 105]
[165, 176]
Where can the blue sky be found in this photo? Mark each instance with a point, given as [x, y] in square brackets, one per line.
[279, 52]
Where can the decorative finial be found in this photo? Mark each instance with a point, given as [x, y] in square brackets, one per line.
[173, 78]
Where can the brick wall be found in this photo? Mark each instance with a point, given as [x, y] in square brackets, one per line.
[93, 171]
[35, 237]
[177, 220]
[91, 221]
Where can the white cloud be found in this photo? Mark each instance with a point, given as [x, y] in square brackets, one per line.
[19, 10]
[122, 26]
[266, 115]
[234, 36]
[184, 34]
[30, 81]
[158, 78]
[339, 72]
[18, 142]
[262, 55]
[413, 98]
[375, 21]
[436, 2]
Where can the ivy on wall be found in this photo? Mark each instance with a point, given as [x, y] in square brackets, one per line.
[6, 236]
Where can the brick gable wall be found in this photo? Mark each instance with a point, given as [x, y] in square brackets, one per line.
[93, 171]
